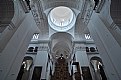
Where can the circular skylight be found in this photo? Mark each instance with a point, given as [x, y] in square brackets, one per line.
[61, 18]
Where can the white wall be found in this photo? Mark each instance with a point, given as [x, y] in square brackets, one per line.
[41, 60]
[108, 47]
[82, 58]
[14, 52]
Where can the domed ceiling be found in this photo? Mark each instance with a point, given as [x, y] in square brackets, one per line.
[61, 18]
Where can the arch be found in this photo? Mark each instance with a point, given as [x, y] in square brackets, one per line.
[27, 58]
[60, 38]
[61, 48]
[6, 13]
[96, 58]
[98, 69]
[28, 61]
[25, 68]
[61, 43]
[64, 34]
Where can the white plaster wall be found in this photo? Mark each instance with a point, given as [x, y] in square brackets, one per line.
[90, 45]
[108, 21]
[32, 67]
[14, 52]
[108, 47]
[19, 16]
[41, 60]
[33, 45]
[82, 58]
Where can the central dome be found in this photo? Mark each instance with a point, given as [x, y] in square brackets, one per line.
[60, 18]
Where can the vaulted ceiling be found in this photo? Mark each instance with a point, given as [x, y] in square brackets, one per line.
[6, 13]
[116, 12]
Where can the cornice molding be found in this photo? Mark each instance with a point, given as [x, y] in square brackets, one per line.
[40, 18]
[55, 3]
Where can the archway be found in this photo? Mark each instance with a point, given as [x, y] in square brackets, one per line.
[61, 43]
[97, 65]
[25, 68]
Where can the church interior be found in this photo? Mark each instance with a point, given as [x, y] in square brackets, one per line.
[60, 39]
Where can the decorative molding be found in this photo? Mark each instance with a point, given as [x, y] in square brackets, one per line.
[11, 26]
[88, 14]
[31, 53]
[92, 52]
[100, 5]
[113, 26]
[40, 18]
[43, 47]
[40, 9]
[25, 6]
[80, 48]
[54, 3]
[35, 15]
